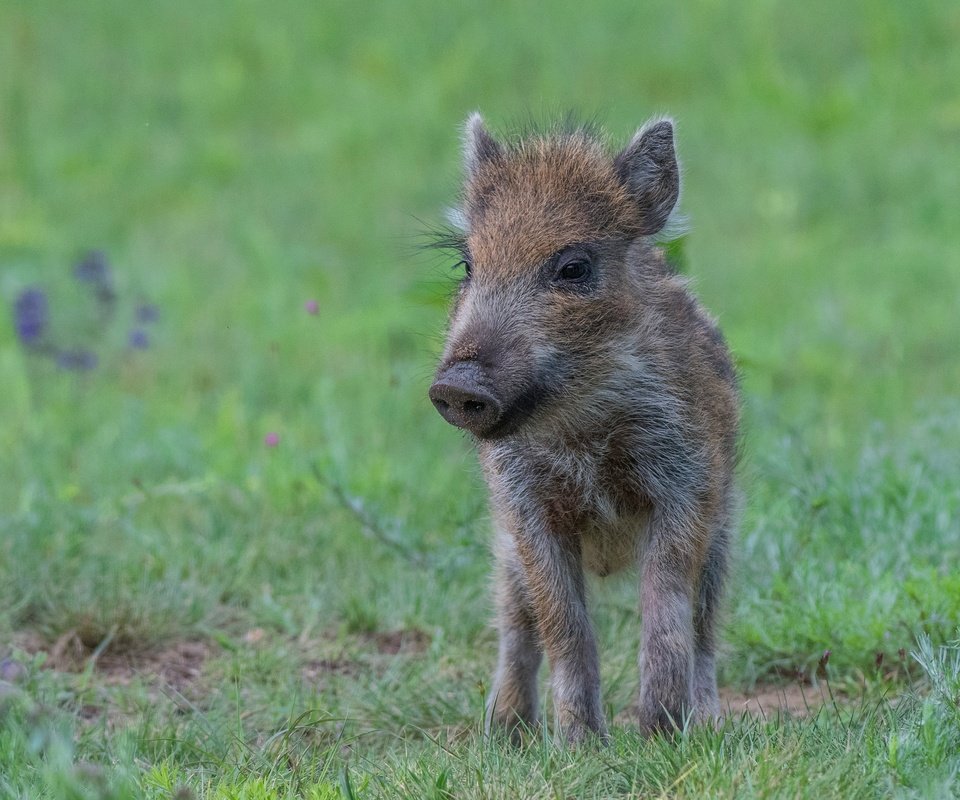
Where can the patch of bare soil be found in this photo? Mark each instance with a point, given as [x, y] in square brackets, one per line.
[795, 700]
[400, 642]
[176, 665]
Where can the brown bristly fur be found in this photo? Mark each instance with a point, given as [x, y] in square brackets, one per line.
[614, 437]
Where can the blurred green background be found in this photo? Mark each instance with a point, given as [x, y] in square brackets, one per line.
[236, 160]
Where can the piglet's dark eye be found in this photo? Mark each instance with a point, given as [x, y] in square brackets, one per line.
[574, 271]
[465, 266]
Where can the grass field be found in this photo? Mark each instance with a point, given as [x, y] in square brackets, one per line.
[242, 556]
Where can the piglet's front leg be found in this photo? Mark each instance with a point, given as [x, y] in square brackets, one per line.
[553, 571]
[667, 640]
[513, 703]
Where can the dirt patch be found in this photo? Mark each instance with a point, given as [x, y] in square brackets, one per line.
[177, 664]
[401, 642]
[795, 700]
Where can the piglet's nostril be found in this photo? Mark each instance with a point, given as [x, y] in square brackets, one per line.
[474, 407]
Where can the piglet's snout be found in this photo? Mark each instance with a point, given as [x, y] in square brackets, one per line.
[462, 398]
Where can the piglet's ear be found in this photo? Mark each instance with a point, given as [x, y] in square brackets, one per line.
[648, 167]
[478, 145]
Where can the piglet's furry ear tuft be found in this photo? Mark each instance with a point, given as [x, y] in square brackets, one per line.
[649, 169]
[478, 145]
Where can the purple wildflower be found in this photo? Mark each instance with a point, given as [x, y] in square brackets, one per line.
[31, 314]
[77, 360]
[138, 339]
[12, 671]
[93, 268]
[146, 313]
[312, 307]
[271, 439]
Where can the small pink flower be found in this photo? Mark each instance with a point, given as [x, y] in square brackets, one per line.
[312, 306]
[271, 439]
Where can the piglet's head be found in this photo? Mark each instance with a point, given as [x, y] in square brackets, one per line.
[548, 292]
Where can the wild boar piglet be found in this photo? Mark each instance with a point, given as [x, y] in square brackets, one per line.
[605, 408]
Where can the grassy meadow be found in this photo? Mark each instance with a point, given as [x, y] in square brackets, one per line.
[242, 557]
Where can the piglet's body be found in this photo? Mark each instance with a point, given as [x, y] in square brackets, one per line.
[605, 408]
